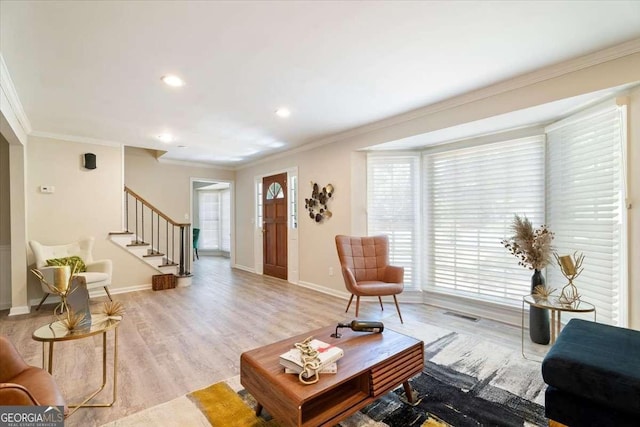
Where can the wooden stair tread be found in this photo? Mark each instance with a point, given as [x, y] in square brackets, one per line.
[138, 244]
[120, 233]
[171, 264]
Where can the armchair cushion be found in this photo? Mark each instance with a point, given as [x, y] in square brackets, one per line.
[81, 248]
[71, 261]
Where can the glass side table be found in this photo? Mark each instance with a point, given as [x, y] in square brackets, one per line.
[100, 324]
[552, 304]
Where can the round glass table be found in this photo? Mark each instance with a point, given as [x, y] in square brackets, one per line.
[100, 324]
[552, 304]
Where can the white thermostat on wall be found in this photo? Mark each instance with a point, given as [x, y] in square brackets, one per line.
[47, 189]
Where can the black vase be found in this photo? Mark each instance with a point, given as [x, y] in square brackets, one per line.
[538, 317]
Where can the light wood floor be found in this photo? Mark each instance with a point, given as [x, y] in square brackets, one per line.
[175, 341]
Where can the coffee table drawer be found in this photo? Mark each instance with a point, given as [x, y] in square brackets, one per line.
[396, 370]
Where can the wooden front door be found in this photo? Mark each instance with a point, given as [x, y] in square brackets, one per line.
[274, 225]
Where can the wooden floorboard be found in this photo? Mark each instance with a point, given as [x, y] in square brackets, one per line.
[178, 340]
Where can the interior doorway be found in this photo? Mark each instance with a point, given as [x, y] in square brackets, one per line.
[211, 218]
[274, 225]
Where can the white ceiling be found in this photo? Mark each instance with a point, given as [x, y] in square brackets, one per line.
[91, 70]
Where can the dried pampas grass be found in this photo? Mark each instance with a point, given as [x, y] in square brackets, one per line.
[531, 246]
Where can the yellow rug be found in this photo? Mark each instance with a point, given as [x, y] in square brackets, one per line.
[223, 407]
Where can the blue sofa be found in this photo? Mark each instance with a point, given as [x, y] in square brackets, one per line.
[593, 376]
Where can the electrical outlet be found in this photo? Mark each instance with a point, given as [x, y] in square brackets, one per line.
[330, 271]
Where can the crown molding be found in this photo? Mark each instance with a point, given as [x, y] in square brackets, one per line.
[73, 138]
[547, 73]
[11, 105]
[194, 164]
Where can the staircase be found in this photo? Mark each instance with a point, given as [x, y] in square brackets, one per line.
[154, 238]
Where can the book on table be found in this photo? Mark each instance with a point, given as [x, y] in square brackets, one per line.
[328, 355]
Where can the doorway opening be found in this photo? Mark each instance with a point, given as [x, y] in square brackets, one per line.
[211, 218]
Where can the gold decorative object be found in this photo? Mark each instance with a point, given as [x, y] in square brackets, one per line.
[62, 286]
[571, 267]
[113, 309]
[543, 292]
[72, 320]
[310, 373]
[317, 204]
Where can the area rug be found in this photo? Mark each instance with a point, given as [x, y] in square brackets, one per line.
[467, 381]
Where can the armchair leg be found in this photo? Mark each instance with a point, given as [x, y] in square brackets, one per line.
[349, 305]
[42, 301]
[197, 256]
[398, 308]
[108, 293]
[357, 305]
[381, 307]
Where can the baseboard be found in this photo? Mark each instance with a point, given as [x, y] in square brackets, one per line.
[483, 309]
[16, 311]
[244, 268]
[94, 293]
[324, 290]
[99, 292]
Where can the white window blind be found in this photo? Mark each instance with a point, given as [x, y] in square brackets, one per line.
[585, 205]
[472, 196]
[393, 205]
[215, 220]
[225, 216]
[209, 210]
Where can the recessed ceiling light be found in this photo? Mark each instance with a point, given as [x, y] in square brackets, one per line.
[165, 137]
[172, 80]
[283, 112]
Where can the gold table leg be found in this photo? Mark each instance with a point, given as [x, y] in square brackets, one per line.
[84, 404]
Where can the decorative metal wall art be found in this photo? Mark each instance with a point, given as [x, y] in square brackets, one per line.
[317, 203]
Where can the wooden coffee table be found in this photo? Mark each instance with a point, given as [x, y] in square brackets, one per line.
[373, 364]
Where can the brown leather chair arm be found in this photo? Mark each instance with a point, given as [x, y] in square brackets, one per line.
[393, 274]
[349, 280]
[12, 363]
[16, 394]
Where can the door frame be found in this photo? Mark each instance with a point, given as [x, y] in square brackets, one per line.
[293, 273]
[232, 242]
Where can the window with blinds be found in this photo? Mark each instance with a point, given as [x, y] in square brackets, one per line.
[225, 216]
[472, 195]
[585, 205]
[215, 220]
[393, 208]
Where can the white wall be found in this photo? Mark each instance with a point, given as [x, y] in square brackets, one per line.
[339, 163]
[5, 227]
[321, 166]
[166, 185]
[85, 203]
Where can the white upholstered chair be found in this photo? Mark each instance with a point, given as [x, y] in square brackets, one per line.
[98, 273]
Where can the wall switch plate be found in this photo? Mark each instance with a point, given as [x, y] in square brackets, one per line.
[47, 189]
[330, 271]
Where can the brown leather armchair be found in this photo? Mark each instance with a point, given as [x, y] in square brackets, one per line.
[366, 269]
[24, 385]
